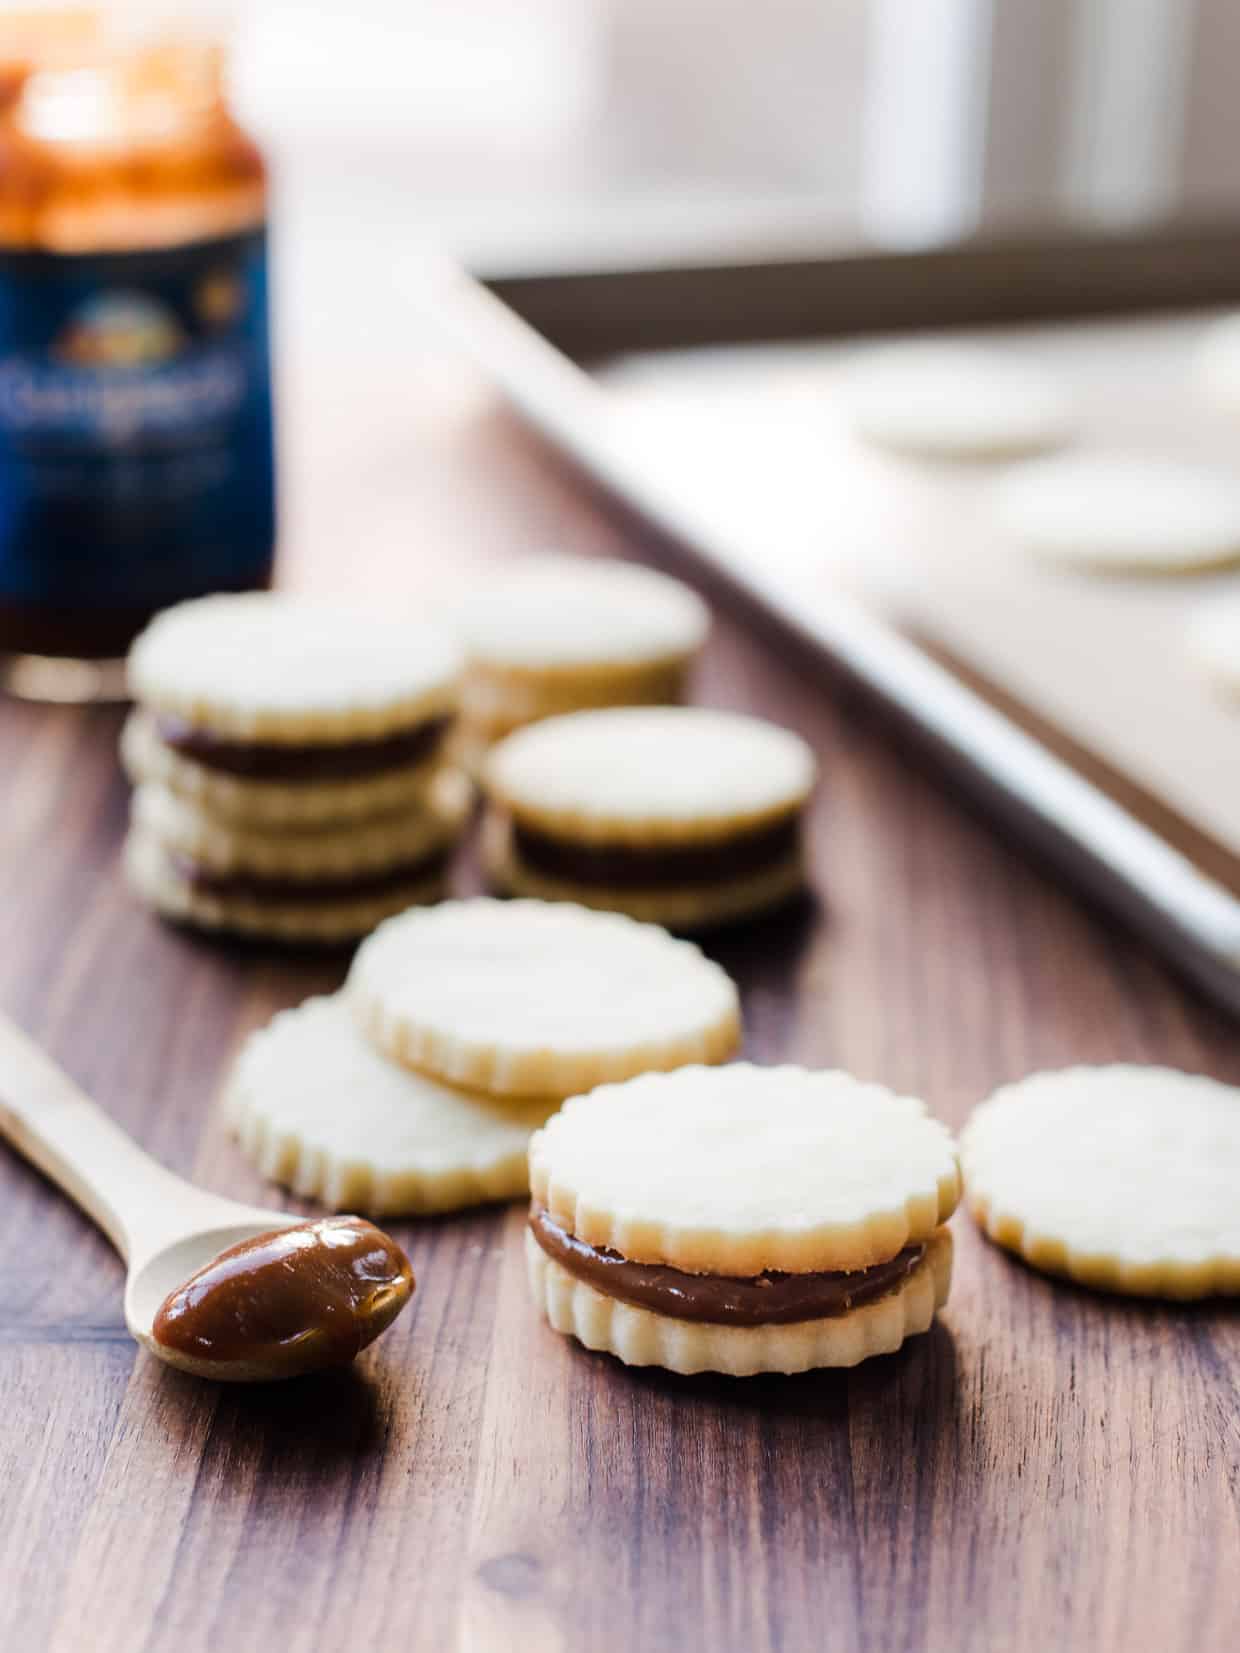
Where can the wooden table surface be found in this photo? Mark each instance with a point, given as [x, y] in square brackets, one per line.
[1046, 1469]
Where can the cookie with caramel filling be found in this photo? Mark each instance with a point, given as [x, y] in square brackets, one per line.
[741, 1219]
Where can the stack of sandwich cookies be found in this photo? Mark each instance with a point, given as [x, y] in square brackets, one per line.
[741, 1220]
[677, 815]
[289, 756]
[558, 634]
[483, 1034]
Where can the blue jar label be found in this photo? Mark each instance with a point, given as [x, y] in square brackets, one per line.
[136, 462]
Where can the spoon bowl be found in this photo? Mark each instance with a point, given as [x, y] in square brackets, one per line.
[286, 1308]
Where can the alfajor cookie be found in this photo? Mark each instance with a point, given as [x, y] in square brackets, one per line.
[318, 1110]
[1123, 1178]
[741, 1220]
[676, 815]
[538, 999]
[554, 634]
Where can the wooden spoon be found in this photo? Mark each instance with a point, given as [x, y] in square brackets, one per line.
[307, 1295]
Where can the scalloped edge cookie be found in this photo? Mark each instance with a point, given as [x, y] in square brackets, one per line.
[153, 877]
[282, 667]
[1096, 1199]
[479, 1157]
[748, 1170]
[269, 803]
[479, 993]
[640, 1337]
[651, 775]
[365, 846]
[689, 907]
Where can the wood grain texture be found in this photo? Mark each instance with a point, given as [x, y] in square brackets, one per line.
[1046, 1469]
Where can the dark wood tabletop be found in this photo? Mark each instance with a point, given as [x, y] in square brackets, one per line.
[1046, 1469]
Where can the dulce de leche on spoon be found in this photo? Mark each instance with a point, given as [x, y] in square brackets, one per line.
[225, 1291]
[298, 1298]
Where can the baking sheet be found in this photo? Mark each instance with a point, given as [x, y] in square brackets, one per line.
[755, 439]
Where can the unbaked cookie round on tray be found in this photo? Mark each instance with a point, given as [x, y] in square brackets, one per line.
[943, 401]
[741, 1219]
[676, 815]
[317, 1109]
[536, 998]
[1122, 513]
[1122, 1178]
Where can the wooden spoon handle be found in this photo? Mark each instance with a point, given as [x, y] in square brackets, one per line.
[58, 1128]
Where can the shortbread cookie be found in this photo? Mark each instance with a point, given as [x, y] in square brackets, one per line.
[288, 670]
[741, 1219]
[538, 999]
[676, 815]
[265, 803]
[953, 402]
[385, 846]
[1122, 513]
[317, 1109]
[319, 913]
[554, 634]
[1122, 1178]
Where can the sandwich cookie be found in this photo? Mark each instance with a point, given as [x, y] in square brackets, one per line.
[331, 885]
[527, 998]
[1122, 513]
[254, 703]
[677, 815]
[741, 1220]
[556, 633]
[1122, 1178]
[318, 1110]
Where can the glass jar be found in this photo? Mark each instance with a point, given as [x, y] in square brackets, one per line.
[136, 462]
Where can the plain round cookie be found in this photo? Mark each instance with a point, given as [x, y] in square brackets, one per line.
[1122, 513]
[270, 666]
[318, 1110]
[541, 999]
[562, 614]
[650, 775]
[270, 804]
[1122, 1178]
[953, 402]
[357, 848]
[742, 1169]
[152, 874]
[640, 1337]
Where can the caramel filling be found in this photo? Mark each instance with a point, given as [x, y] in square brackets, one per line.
[312, 1295]
[246, 886]
[623, 866]
[270, 761]
[769, 1299]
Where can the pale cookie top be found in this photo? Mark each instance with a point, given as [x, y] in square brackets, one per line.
[312, 1082]
[953, 401]
[650, 775]
[560, 613]
[370, 845]
[269, 666]
[1216, 363]
[1124, 1177]
[539, 998]
[740, 1169]
[1122, 512]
